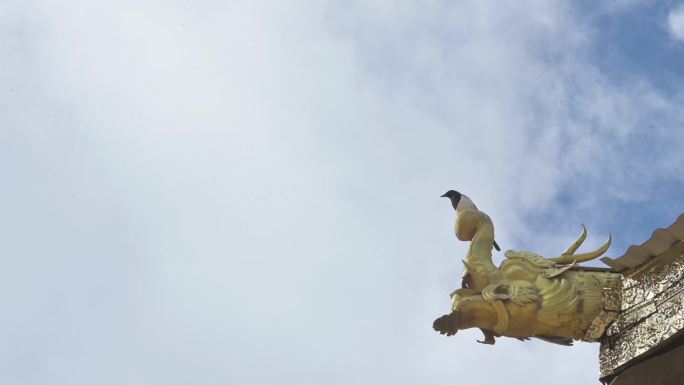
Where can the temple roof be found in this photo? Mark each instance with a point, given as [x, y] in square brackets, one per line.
[660, 241]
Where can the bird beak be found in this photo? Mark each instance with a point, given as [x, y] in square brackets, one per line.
[443, 196]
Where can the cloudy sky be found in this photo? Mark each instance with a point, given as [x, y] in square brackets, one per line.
[247, 192]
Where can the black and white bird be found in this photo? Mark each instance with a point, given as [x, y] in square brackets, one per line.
[462, 202]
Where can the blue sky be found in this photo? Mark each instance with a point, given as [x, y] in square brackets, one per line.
[637, 42]
[248, 192]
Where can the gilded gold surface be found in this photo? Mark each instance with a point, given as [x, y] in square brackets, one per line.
[529, 295]
[599, 324]
[652, 311]
[633, 314]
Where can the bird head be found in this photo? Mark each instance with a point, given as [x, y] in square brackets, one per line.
[455, 196]
[451, 193]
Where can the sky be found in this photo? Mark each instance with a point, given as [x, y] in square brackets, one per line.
[247, 192]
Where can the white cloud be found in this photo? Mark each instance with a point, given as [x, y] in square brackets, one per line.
[248, 193]
[675, 22]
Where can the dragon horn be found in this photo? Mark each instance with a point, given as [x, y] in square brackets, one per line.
[577, 243]
[579, 258]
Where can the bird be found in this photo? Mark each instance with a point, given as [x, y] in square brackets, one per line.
[462, 202]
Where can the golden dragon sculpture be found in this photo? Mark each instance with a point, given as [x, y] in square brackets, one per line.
[553, 299]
